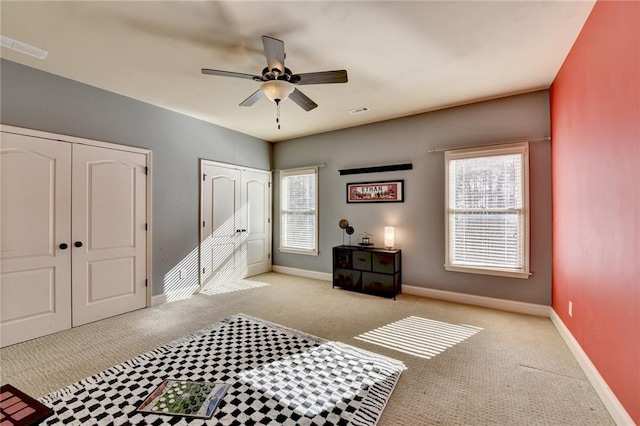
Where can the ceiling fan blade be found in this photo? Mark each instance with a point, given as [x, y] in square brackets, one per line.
[274, 51]
[230, 74]
[302, 100]
[322, 77]
[255, 96]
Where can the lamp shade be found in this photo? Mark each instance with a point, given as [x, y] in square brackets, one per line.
[389, 236]
[277, 90]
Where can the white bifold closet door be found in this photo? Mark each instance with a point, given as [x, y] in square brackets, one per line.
[73, 242]
[35, 269]
[109, 219]
[235, 241]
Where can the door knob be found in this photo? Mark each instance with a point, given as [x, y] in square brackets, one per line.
[63, 246]
[78, 244]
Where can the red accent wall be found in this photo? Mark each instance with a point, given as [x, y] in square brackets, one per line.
[595, 152]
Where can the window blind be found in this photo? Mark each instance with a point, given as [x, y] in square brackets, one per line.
[487, 209]
[298, 195]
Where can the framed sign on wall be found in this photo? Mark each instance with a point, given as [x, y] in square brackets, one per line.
[390, 191]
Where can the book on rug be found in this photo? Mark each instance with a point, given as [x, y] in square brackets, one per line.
[185, 398]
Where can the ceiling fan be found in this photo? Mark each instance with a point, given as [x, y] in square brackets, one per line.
[278, 82]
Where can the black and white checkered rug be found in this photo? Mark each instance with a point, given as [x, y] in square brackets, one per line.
[278, 376]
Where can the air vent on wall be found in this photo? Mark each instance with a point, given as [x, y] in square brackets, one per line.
[358, 110]
[25, 48]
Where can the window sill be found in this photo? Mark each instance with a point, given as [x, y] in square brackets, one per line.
[298, 251]
[487, 271]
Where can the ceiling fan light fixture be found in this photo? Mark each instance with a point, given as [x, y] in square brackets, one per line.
[277, 90]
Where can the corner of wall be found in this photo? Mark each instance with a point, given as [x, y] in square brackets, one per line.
[158, 299]
[611, 403]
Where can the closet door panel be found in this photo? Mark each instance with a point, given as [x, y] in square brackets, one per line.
[109, 217]
[256, 207]
[222, 227]
[35, 272]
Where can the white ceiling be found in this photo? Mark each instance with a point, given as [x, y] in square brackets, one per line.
[403, 58]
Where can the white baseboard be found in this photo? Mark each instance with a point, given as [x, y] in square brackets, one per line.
[485, 302]
[158, 299]
[324, 276]
[467, 299]
[610, 401]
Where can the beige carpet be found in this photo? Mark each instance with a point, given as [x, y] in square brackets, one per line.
[483, 366]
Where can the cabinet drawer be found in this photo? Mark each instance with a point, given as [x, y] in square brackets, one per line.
[342, 258]
[380, 283]
[347, 279]
[362, 260]
[387, 263]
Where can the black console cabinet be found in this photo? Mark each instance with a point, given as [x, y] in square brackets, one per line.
[368, 270]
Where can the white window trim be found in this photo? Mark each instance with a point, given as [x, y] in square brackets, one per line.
[294, 172]
[487, 151]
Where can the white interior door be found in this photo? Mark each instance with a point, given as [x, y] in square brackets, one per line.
[221, 225]
[255, 249]
[109, 236]
[35, 265]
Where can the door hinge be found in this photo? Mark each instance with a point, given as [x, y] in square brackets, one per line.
[269, 184]
[146, 170]
[146, 282]
[203, 270]
[146, 226]
[204, 176]
[268, 220]
[269, 256]
[203, 223]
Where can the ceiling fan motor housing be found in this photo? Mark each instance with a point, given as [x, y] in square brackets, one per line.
[276, 74]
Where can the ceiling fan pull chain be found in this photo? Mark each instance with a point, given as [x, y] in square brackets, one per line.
[278, 113]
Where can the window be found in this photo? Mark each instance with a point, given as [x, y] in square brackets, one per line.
[487, 210]
[298, 211]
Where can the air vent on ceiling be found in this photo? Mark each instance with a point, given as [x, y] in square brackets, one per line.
[25, 48]
[358, 110]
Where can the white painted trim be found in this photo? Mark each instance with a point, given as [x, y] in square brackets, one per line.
[324, 276]
[231, 166]
[486, 302]
[158, 299]
[73, 139]
[149, 231]
[610, 401]
[467, 299]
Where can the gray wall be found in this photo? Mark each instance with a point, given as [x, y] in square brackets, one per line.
[43, 101]
[419, 221]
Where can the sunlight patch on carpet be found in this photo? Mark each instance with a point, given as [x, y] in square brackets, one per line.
[313, 381]
[232, 286]
[420, 337]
